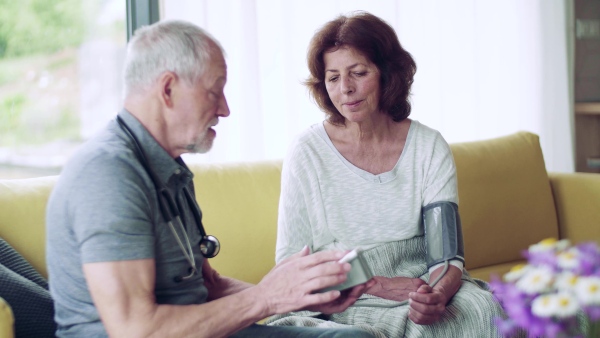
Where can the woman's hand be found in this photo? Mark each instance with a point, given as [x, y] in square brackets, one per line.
[395, 288]
[428, 304]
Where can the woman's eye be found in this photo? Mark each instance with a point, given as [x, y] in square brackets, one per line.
[333, 79]
[360, 74]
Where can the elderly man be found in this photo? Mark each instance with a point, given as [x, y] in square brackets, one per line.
[126, 248]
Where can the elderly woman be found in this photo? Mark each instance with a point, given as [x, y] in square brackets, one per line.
[366, 178]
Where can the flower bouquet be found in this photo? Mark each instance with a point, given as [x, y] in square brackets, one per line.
[556, 294]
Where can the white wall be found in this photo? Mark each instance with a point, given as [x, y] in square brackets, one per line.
[485, 68]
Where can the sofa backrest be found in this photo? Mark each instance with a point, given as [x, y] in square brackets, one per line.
[505, 204]
[239, 205]
[505, 198]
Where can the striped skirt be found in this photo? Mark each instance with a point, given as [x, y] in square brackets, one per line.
[470, 313]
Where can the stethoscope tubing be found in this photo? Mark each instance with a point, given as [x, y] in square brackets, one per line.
[169, 209]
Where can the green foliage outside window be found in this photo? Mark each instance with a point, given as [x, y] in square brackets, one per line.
[40, 44]
[39, 26]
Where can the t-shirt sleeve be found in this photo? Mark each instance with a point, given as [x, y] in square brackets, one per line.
[293, 225]
[110, 212]
[440, 182]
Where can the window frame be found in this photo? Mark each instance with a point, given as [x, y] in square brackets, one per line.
[141, 13]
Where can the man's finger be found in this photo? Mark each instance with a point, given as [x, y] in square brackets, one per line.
[321, 298]
[322, 257]
[303, 252]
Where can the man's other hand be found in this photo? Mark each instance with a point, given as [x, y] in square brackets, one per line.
[293, 283]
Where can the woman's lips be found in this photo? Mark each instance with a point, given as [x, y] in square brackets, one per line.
[353, 104]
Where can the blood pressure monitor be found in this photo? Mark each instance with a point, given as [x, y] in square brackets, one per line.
[359, 273]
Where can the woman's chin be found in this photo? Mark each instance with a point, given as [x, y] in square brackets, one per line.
[358, 116]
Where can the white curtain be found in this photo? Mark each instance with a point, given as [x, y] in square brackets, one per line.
[484, 68]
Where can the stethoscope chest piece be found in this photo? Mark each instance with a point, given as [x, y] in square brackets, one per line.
[210, 246]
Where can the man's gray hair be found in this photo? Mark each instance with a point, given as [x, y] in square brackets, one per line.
[176, 46]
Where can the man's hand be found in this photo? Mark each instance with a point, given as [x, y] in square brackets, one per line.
[346, 299]
[292, 284]
[395, 288]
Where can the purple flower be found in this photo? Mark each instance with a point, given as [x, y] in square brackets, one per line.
[542, 258]
[589, 260]
[548, 262]
[506, 328]
[593, 312]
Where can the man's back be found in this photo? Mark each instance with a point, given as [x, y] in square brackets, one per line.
[104, 208]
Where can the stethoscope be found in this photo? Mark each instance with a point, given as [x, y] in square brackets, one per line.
[209, 245]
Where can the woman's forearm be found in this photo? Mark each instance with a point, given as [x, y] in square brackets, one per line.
[450, 282]
[396, 288]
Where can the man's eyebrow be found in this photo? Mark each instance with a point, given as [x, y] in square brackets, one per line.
[221, 80]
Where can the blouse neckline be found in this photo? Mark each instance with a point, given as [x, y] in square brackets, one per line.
[365, 175]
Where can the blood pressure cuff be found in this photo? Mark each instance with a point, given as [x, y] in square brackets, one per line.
[443, 233]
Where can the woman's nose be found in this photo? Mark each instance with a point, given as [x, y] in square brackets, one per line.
[347, 85]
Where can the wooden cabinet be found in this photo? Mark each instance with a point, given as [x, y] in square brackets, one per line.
[587, 137]
[587, 85]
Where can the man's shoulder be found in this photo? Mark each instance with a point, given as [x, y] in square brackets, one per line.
[105, 163]
[103, 154]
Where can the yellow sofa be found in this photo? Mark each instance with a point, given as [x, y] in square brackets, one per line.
[507, 202]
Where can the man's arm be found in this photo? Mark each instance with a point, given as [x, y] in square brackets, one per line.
[123, 293]
[220, 286]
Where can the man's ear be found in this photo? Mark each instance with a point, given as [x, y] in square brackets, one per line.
[167, 83]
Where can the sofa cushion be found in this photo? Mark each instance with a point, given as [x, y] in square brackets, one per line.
[577, 200]
[12, 260]
[22, 217]
[7, 320]
[505, 198]
[27, 293]
[31, 304]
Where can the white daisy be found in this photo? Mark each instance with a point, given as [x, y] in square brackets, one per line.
[536, 280]
[563, 244]
[566, 281]
[544, 306]
[559, 305]
[569, 259]
[588, 290]
[550, 244]
[566, 305]
[516, 272]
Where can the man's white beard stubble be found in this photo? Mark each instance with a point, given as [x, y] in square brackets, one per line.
[202, 145]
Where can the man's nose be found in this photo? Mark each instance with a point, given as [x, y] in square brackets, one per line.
[223, 107]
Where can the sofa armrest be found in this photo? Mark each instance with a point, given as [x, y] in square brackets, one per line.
[7, 320]
[577, 200]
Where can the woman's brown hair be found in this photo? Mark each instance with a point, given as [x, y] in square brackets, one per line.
[377, 41]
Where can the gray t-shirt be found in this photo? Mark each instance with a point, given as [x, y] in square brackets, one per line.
[105, 208]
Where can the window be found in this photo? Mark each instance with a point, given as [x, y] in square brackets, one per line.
[60, 79]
